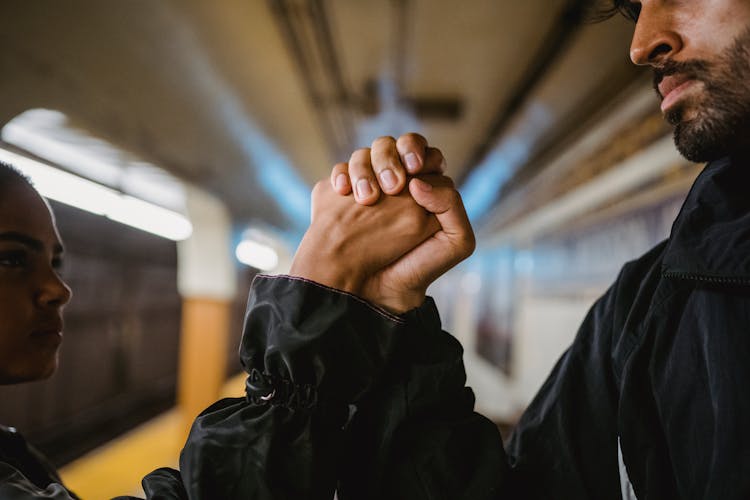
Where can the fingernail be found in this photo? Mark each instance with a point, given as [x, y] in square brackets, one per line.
[412, 162]
[422, 185]
[443, 165]
[363, 188]
[342, 182]
[388, 179]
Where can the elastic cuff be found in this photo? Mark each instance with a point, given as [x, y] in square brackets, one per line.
[306, 345]
[383, 312]
[267, 389]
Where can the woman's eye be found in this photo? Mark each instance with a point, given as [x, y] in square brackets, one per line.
[58, 265]
[13, 259]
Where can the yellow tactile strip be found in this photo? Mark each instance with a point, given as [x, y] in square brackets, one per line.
[117, 467]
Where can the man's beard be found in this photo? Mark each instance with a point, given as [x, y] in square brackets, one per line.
[723, 108]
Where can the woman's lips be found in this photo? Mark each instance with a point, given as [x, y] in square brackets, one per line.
[42, 333]
[47, 339]
[54, 328]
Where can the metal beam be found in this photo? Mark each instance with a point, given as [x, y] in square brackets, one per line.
[555, 42]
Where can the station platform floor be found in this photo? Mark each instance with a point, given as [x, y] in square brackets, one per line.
[118, 467]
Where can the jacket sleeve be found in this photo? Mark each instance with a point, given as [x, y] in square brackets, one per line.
[565, 444]
[16, 486]
[311, 354]
[25, 473]
[417, 436]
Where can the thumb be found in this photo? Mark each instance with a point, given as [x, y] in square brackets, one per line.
[455, 241]
[436, 194]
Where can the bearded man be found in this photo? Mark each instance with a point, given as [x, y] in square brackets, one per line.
[649, 401]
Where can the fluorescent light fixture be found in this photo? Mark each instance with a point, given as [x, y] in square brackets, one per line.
[37, 131]
[151, 218]
[257, 255]
[81, 193]
[51, 135]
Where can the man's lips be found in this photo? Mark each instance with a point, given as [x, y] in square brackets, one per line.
[672, 87]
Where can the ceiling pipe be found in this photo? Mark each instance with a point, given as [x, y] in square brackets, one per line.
[554, 44]
[307, 32]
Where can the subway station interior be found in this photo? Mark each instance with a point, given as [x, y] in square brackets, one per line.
[210, 122]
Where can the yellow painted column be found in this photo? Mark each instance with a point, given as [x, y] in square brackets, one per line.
[207, 283]
[203, 353]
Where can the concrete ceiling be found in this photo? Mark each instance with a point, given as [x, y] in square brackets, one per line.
[256, 99]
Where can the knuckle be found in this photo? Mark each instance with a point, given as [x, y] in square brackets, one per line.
[435, 159]
[464, 245]
[470, 242]
[415, 220]
[454, 197]
[383, 140]
[359, 155]
[340, 167]
[414, 137]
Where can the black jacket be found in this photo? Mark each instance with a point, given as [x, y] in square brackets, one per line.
[342, 395]
[24, 472]
[661, 362]
[658, 366]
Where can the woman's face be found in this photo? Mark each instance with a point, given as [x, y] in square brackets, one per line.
[32, 294]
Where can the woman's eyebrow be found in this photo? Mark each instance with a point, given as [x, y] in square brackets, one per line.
[26, 240]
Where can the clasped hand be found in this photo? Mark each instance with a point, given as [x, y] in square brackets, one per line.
[399, 228]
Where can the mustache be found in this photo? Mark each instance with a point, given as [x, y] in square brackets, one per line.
[695, 70]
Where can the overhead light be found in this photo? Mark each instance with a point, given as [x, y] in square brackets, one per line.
[51, 135]
[81, 193]
[257, 255]
[151, 218]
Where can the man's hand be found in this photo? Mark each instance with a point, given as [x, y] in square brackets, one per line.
[391, 272]
[348, 243]
[385, 167]
[403, 284]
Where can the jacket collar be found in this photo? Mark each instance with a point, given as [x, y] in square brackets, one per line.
[711, 236]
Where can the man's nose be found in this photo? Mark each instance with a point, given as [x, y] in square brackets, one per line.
[654, 40]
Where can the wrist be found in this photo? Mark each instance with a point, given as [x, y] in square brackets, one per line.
[397, 303]
[338, 281]
[314, 263]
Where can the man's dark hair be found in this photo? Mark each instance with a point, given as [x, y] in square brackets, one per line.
[10, 174]
[604, 9]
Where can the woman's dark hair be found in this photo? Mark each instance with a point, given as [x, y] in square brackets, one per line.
[10, 174]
